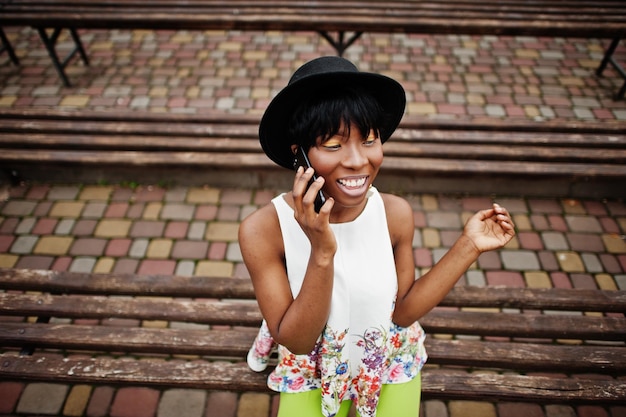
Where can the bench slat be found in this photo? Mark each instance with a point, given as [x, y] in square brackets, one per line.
[214, 287]
[553, 18]
[247, 313]
[236, 343]
[438, 383]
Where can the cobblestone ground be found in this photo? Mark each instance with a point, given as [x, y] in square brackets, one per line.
[192, 230]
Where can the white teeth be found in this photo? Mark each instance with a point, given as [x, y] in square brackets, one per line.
[353, 182]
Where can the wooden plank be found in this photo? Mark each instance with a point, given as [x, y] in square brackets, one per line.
[141, 308]
[214, 287]
[62, 282]
[577, 19]
[442, 384]
[248, 314]
[236, 343]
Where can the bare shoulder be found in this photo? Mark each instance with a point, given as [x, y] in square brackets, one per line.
[400, 219]
[396, 206]
[260, 226]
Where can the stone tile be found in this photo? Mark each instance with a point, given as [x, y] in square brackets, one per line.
[538, 279]
[222, 231]
[554, 241]
[89, 192]
[570, 262]
[442, 220]
[519, 410]
[77, 400]
[34, 262]
[471, 409]
[228, 213]
[587, 224]
[585, 242]
[63, 192]
[190, 250]
[138, 248]
[606, 282]
[489, 260]
[116, 209]
[174, 211]
[44, 226]
[520, 260]
[135, 402]
[82, 265]
[530, 240]
[53, 245]
[182, 402]
[94, 210]
[118, 247]
[214, 269]
[560, 411]
[6, 242]
[83, 227]
[149, 194]
[592, 262]
[206, 212]
[221, 404]
[434, 408]
[614, 243]
[156, 266]
[196, 230]
[108, 228]
[100, 401]
[205, 195]
[583, 281]
[159, 248]
[545, 206]
[67, 209]
[147, 228]
[505, 278]
[18, 208]
[252, 404]
[610, 263]
[9, 395]
[42, 398]
[88, 247]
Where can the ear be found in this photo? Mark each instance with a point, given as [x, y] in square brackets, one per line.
[294, 148]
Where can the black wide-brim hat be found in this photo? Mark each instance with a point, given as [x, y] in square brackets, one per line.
[315, 75]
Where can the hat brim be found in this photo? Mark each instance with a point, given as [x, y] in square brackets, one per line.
[274, 124]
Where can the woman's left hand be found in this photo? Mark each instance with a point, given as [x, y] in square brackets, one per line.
[490, 229]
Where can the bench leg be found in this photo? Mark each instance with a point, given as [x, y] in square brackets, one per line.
[340, 44]
[50, 41]
[608, 59]
[6, 46]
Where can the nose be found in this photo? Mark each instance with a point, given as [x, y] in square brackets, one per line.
[355, 156]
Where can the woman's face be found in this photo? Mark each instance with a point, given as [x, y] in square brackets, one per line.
[349, 164]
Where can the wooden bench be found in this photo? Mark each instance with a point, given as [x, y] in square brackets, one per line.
[555, 159]
[339, 22]
[513, 344]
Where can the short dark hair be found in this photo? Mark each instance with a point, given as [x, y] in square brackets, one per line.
[322, 114]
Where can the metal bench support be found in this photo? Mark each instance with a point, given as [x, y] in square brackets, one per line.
[50, 44]
[6, 46]
[608, 59]
[340, 43]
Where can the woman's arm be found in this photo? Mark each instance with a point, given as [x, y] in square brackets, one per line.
[294, 323]
[486, 230]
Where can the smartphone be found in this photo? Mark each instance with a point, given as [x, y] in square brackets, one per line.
[303, 161]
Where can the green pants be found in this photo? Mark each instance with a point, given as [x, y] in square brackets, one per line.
[396, 400]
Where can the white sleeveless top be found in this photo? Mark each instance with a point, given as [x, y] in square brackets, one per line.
[360, 348]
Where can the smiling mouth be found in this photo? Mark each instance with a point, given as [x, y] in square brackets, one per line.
[353, 182]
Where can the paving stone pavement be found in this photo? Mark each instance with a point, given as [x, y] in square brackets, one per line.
[147, 228]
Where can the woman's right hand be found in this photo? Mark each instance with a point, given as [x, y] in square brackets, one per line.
[315, 225]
